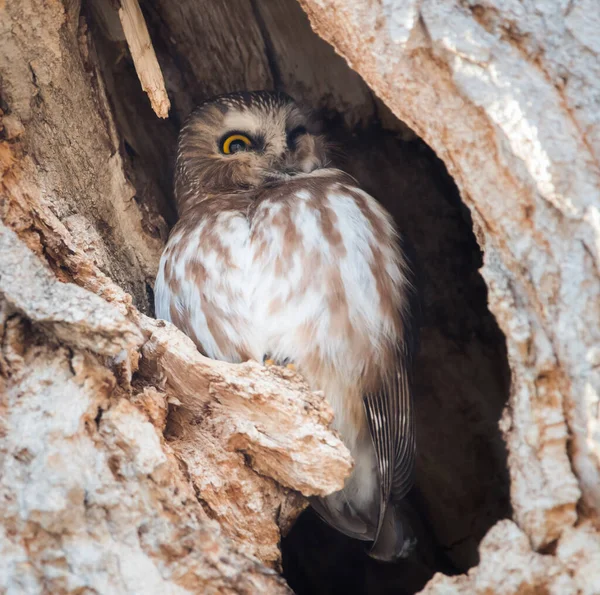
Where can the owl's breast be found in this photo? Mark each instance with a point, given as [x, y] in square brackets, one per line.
[327, 277]
[314, 275]
[203, 285]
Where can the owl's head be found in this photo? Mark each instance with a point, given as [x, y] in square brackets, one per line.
[240, 141]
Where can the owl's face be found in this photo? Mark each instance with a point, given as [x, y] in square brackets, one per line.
[241, 141]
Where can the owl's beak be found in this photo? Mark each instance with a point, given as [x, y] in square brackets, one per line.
[288, 171]
[282, 168]
[277, 175]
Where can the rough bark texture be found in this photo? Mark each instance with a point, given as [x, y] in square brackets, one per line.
[94, 497]
[129, 463]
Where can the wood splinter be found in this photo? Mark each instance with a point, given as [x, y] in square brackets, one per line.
[144, 57]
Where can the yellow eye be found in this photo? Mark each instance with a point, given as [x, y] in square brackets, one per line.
[235, 143]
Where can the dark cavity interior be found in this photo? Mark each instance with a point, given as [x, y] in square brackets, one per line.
[462, 375]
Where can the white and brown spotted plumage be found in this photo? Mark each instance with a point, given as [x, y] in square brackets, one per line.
[274, 253]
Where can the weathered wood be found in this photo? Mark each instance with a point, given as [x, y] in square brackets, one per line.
[243, 441]
[144, 58]
[510, 566]
[228, 414]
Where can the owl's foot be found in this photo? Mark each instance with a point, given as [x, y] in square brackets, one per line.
[284, 363]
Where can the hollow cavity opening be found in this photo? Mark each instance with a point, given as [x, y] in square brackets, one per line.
[462, 384]
[462, 374]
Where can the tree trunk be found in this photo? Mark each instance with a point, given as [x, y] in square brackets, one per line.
[130, 463]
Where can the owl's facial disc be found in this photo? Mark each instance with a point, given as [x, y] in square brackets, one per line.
[241, 141]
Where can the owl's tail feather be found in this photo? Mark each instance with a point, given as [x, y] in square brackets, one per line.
[338, 512]
[396, 538]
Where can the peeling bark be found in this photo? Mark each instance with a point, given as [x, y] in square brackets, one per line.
[509, 565]
[86, 467]
[228, 415]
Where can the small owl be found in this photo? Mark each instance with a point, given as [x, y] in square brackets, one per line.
[278, 257]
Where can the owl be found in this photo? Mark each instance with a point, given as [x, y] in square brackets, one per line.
[278, 257]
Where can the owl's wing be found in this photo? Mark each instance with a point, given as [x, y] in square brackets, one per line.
[390, 410]
[390, 414]
[391, 421]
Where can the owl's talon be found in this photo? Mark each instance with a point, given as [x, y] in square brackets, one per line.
[284, 363]
[269, 361]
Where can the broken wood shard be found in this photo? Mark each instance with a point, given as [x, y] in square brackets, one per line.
[144, 57]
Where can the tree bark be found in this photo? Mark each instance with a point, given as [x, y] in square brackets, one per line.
[130, 463]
